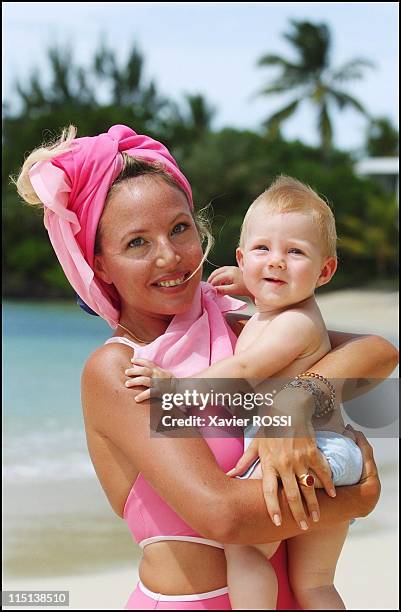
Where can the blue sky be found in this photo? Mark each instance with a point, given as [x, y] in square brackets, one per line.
[212, 48]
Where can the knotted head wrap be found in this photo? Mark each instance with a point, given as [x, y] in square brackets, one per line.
[73, 188]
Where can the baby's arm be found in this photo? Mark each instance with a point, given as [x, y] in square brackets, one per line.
[286, 338]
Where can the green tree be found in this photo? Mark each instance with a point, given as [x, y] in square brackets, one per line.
[230, 168]
[187, 123]
[382, 138]
[227, 167]
[127, 83]
[311, 77]
[373, 236]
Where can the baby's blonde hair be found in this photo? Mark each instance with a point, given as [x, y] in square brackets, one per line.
[287, 195]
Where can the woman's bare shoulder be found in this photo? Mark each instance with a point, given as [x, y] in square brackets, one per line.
[103, 374]
[110, 358]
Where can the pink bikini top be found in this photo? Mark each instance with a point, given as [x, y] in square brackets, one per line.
[192, 341]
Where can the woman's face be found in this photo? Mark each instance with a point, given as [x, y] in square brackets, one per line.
[149, 247]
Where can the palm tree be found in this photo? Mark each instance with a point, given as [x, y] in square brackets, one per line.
[312, 78]
[200, 114]
[128, 87]
[188, 123]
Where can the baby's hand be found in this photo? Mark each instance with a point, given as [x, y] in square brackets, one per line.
[228, 281]
[143, 371]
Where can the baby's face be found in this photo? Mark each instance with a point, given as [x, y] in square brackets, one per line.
[282, 259]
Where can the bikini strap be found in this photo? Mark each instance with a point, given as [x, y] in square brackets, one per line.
[122, 340]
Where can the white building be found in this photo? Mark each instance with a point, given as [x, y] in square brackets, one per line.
[384, 169]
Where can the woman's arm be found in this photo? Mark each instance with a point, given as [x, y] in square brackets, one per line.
[356, 357]
[184, 471]
[348, 501]
[353, 357]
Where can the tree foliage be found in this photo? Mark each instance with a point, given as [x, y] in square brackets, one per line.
[228, 168]
[382, 138]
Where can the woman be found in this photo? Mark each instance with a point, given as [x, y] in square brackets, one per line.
[120, 217]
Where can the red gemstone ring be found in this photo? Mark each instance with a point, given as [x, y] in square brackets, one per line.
[307, 480]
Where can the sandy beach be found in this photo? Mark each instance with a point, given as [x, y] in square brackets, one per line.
[367, 574]
[51, 552]
[360, 310]
[367, 578]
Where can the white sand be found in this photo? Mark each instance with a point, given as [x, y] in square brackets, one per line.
[102, 591]
[359, 310]
[367, 574]
[367, 578]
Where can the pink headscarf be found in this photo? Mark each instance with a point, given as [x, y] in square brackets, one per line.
[73, 188]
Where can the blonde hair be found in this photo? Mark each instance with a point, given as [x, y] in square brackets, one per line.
[45, 152]
[132, 167]
[286, 195]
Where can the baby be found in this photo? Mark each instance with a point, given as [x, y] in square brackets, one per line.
[287, 249]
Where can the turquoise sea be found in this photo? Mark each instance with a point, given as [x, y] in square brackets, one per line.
[45, 346]
[56, 517]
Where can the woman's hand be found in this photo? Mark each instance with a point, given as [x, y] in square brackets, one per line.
[288, 458]
[369, 477]
[228, 280]
[143, 372]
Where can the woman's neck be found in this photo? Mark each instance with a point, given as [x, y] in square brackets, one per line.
[145, 327]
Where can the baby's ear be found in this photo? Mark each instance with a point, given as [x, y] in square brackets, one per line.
[327, 272]
[240, 257]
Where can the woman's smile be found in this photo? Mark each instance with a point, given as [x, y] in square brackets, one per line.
[172, 280]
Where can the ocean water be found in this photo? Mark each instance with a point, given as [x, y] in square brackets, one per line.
[45, 346]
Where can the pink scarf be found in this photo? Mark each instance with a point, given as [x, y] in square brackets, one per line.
[197, 338]
[73, 188]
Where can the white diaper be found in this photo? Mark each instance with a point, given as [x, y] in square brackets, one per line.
[343, 455]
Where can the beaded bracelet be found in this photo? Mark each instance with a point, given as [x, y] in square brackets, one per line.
[323, 405]
[328, 404]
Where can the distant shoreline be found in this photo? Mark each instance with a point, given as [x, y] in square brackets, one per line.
[385, 286]
[360, 311]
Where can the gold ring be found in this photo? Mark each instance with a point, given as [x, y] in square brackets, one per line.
[307, 480]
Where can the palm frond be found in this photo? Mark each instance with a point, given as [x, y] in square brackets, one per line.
[276, 60]
[312, 42]
[134, 69]
[104, 62]
[343, 100]
[280, 86]
[274, 121]
[352, 70]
